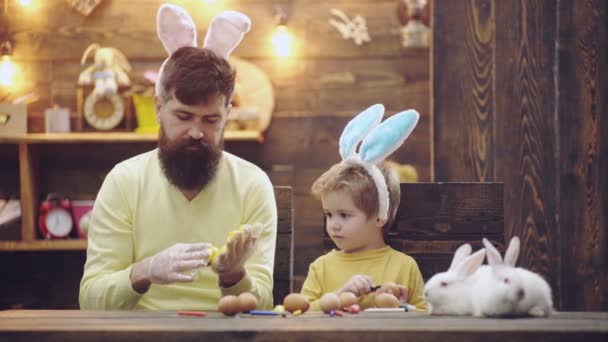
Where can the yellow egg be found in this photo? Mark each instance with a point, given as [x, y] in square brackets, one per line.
[247, 302]
[347, 299]
[386, 300]
[233, 233]
[212, 255]
[296, 301]
[330, 301]
[229, 305]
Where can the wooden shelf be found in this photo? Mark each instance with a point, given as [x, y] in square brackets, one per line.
[44, 245]
[111, 137]
[29, 156]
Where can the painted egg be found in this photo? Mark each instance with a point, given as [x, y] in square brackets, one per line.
[247, 302]
[330, 301]
[229, 305]
[347, 299]
[296, 301]
[391, 288]
[386, 300]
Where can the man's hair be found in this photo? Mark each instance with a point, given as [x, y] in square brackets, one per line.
[195, 75]
[352, 178]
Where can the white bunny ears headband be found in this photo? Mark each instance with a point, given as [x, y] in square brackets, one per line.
[378, 141]
[176, 30]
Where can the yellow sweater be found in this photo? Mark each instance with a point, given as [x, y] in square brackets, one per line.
[138, 213]
[331, 271]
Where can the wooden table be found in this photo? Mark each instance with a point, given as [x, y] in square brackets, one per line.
[168, 326]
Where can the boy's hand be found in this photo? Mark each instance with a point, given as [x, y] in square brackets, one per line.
[359, 285]
[402, 296]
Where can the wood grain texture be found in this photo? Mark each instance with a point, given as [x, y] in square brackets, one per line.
[462, 91]
[37, 35]
[583, 148]
[525, 112]
[29, 184]
[70, 325]
[51, 281]
[283, 259]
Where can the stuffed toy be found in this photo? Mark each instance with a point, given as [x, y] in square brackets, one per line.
[377, 141]
[176, 30]
[107, 72]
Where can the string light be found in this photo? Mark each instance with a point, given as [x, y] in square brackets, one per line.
[281, 38]
[7, 67]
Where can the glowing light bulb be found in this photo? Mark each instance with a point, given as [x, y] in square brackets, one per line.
[7, 71]
[282, 41]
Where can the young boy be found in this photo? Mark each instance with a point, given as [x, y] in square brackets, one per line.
[351, 203]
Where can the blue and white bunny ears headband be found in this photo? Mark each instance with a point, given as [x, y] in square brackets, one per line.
[378, 141]
[176, 30]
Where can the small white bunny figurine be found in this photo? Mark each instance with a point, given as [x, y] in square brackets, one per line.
[504, 290]
[107, 72]
[450, 292]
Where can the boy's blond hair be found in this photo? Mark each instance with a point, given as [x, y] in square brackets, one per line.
[352, 178]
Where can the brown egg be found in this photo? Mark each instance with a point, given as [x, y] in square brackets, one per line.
[296, 301]
[390, 287]
[386, 300]
[247, 302]
[229, 305]
[347, 299]
[330, 301]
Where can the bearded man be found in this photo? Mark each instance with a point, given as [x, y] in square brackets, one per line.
[158, 214]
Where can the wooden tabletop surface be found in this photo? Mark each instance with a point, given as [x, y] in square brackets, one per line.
[68, 325]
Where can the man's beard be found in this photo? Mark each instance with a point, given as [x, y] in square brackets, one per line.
[187, 168]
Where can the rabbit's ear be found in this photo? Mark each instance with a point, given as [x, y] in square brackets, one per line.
[86, 53]
[494, 257]
[226, 32]
[387, 137]
[512, 252]
[121, 59]
[461, 253]
[175, 27]
[471, 263]
[358, 128]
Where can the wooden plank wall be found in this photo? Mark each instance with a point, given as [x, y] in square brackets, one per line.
[317, 92]
[528, 107]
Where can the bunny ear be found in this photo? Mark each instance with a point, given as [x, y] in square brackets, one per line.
[494, 257]
[512, 252]
[461, 253]
[471, 263]
[358, 128]
[175, 27]
[387, 137]
[226, 32]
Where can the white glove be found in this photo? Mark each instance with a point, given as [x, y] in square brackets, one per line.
[178, 263]
[238, 249]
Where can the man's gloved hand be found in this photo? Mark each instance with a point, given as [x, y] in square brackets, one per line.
[240, 246]
[178, 263]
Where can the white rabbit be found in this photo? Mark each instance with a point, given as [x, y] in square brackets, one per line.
[449, 293]
[505, 290]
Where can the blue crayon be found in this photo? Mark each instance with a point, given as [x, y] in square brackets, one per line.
[263, 313]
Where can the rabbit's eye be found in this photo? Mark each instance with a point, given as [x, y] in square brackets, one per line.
[443, 284]
[506, 280]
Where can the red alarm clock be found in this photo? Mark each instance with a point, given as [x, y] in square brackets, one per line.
[56, 220]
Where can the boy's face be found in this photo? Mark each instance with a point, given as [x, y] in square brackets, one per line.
[348, 226]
